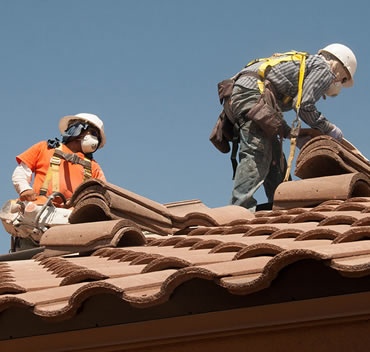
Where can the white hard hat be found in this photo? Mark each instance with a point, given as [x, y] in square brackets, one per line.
[346, 56]
[84, 117]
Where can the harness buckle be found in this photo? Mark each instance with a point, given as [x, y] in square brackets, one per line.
[55, 160]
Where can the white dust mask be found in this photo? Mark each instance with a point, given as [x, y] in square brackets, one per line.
[89, 144]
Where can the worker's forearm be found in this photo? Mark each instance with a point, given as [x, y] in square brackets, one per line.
[21, 178]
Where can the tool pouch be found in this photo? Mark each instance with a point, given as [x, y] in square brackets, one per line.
[222, 133]
[266, 112]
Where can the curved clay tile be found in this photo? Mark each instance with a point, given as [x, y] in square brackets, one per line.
[205, 244]
[130, 256]
[187, 242]
[352, 206]
[227, 247]
[170, 241]
[156, 242]
[286, 233]
[261, 220]
[308, 217]
[117, 254]
[282, 219]
[362, 222]
[258, 249]
[102, 252]
[262, 230]
[334, 202]
[4, 265]
[194, 219]
[223, 216]
[145, 258]
[10, 288]
[54, 265]
[262, 213]
[7, 302]
[166, 286]
[237, 229]
[314, 191]
[338, 220]
[239, 222]
[297, 211]
[270, 271]
[128, 236]
[217, 216]
[319, 233]
[184, 207]
[165, 263]
[91, 208]
[151, 240]
[38, 256]
[357, 266]
[359, 199]
[80, 294]
[198, 231]
[6, 277]
[216, 231]
[77, 237]
[269, 213]
[323, 207]
[82, 275]
[354, 234]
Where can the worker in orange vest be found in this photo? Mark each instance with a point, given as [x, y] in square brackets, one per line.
[61, 166]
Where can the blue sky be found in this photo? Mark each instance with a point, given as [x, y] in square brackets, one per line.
[150, 70]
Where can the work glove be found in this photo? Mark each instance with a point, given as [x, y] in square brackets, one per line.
[336, 133]
[302, 140]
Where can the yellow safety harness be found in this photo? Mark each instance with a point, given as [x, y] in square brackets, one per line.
[296, 125]
[52, 174]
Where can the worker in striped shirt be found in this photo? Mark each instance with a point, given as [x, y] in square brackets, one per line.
[325, 74]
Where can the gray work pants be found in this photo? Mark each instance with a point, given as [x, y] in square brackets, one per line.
[259, 156]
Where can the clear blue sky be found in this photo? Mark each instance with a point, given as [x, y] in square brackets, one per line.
[150, 70]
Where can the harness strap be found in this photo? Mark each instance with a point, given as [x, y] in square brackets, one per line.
[53, 170]
[235, 147]
[72, 158]
[273, 61]
[296, 125]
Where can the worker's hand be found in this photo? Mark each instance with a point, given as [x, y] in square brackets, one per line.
[29, 195]
[336, 133]
[302, 140]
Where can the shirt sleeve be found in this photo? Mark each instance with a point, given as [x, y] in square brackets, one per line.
[21, 178]
[314, 87]
[31, 155]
